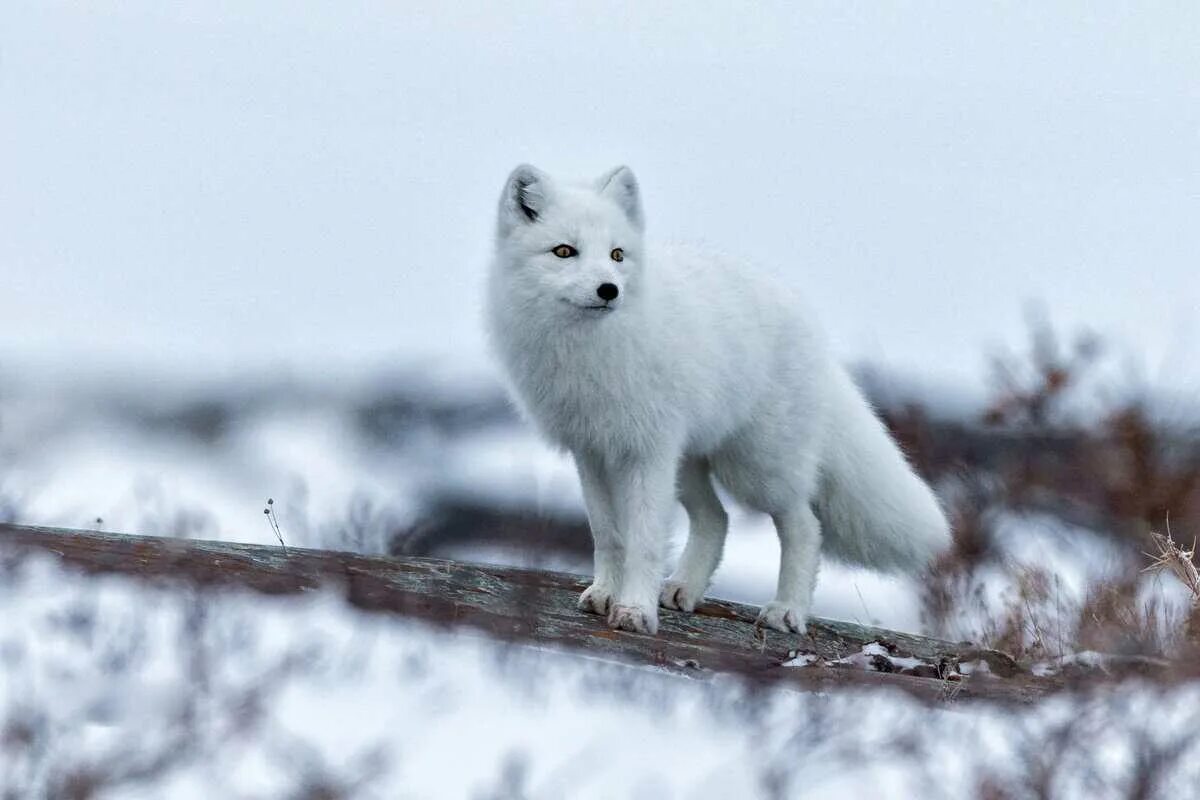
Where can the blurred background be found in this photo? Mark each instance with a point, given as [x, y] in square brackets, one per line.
[243, 248]
[243, 245]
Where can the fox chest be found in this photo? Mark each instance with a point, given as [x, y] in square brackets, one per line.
[596, 401]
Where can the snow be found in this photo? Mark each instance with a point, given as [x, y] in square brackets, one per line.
[979, 667]
[1073, 560]
[90, 455]
[1093, 662]
[281, 693]
[277, 209]
[802, 660]
[876, 650]
[249, 696]
[872, 657]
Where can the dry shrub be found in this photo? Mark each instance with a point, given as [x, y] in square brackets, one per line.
[1112, 619]
[1170, 557]
[1050, 443]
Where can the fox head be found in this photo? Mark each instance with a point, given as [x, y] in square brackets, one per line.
[573, 248]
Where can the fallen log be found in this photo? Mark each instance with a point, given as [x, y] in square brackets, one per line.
[538, 607]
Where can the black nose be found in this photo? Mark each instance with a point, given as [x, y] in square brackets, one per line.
[608, 291]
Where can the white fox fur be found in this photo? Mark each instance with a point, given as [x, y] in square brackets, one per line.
[698, 368]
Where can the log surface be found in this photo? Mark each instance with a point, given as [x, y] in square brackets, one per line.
[538, 607]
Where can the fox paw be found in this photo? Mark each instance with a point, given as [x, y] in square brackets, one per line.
[633, 618]
[678, 595]
[596, 599]
[782, 617]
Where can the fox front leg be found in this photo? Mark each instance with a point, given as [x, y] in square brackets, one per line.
[643, 492]
[607, 550]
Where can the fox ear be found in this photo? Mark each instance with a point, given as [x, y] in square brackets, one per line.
[524, 198]
[621, 187]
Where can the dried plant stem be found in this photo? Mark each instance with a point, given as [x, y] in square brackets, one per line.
[1181, 563]
[273, 521]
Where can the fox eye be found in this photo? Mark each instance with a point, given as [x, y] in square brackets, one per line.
[565, 251]
[617, 254]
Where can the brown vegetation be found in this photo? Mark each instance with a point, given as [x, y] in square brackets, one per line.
[1056, 443]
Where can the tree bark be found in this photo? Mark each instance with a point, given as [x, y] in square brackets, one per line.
[538, 607]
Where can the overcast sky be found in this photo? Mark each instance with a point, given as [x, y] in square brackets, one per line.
[216, 184]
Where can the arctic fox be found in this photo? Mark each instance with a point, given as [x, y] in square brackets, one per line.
[662, 368]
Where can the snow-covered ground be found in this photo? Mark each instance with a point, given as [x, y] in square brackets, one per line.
[166, 694]
[197, 190]
[76, 453]
[151, 693]
[350, 462]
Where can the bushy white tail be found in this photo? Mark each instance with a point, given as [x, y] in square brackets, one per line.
[874, 509]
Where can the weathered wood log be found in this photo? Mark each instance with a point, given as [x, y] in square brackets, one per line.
[534, 606]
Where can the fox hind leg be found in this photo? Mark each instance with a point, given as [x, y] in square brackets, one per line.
[708, 525]
[799, 558]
